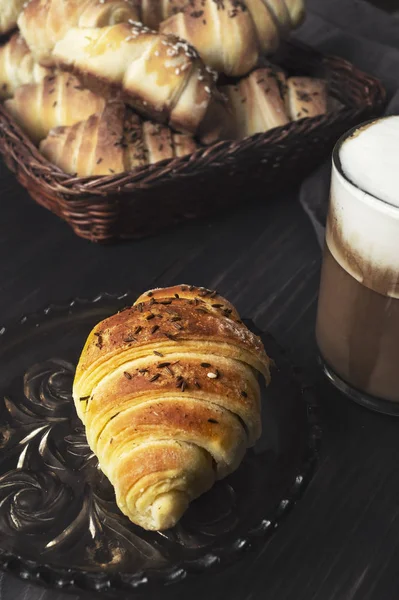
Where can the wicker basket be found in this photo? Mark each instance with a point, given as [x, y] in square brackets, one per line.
[149, 198]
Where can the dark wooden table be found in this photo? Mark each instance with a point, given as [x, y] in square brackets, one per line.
[342, 540]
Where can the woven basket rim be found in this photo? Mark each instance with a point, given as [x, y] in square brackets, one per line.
[37, 166]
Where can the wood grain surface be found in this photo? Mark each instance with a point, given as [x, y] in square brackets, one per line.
[342, 540]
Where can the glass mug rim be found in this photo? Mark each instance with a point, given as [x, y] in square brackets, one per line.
[337, 166]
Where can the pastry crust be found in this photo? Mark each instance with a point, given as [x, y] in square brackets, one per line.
[232, 35]
[18, 67]
[257, 102]
[112, 141]
[160, 76]
[9, 13]
[44, 22]
[306, 97]
[57, 100]
[168, 392]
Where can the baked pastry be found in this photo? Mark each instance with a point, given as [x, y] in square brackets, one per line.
[160, 76]
[59, 99]
[113, 141]
[153, 12]
[281, 14]
[257, 102]
[18, 67]
[44, 22]
[306, 97]
[266, 99]
[183, 144]
[296, 9]
[230, 36]
[9, 13]
[225, 34]
[168, 393]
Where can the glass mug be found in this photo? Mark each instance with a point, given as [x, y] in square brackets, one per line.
[358, 312]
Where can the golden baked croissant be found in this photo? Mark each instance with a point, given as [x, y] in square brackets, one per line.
[257, 102]
[113, 141]
[306, 97]
[225, 34]
[18, 67]
[231, 35]
[168, 393]
[9, 12]
[57, 100]
[160, 76]
[153, 12]
[296, 9]
[44, 22]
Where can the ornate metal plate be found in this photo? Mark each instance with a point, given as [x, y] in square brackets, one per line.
[59, 524]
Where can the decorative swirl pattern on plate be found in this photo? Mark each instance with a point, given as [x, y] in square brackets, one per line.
[56, 503]
[32, 503]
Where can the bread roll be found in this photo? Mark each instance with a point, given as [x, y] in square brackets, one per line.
[159, 76]
[232, 35]
[168, 393]
[9, 13]
[18, 67]
[257, 103]
[227, 35]
[57, 100]
[306, 97]
[297, 11]
[44, 22]
[113, 141]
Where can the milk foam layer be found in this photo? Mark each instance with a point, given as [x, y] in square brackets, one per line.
[362, 231]
[370, 159]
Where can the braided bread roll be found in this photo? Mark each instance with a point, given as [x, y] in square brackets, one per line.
[306, 97]
[168, 393]
[257, 102]
[230, 36]
[161, 77]
[59, 99]
[153, 12]
[44, 22]
[9, 12]
[113, 141]
[18, 67]
[296, 9]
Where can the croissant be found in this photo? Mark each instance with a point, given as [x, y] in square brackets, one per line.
[306, 97]
[224, 33]
[9, 12]
[17, 66]
[231, 35]
[257, 102]
[113, 141]
[296, 9]
[153, 12]
[168, 393]
[161, 77]
[57, 100]
[44, 22]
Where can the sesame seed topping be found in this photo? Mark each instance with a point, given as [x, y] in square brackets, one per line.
[212, 375]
